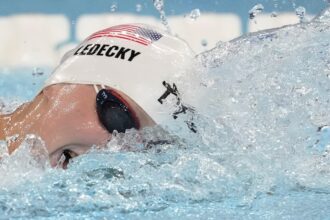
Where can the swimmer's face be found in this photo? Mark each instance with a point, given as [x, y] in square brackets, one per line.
[73, 124]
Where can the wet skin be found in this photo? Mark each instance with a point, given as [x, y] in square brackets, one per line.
[64, 116]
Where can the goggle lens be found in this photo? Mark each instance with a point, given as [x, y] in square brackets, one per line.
[113, 113]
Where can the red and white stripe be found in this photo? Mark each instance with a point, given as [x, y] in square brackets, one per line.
[127, 32]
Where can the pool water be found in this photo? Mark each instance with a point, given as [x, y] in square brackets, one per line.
[261, 150]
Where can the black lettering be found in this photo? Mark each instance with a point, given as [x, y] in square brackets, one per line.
[107, 50]
[85, 49]
[103, 48]
[108, 53]
[93, 49]
[121, 53]
[133, 55]
[77, 51]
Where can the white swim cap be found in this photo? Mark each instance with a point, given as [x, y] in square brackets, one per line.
[133, 58]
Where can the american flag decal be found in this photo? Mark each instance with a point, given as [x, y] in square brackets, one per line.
[134, 33]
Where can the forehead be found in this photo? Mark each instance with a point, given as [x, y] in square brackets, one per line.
[60, 92]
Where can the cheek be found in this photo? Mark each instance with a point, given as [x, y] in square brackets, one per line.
[82, 126]
[90, 132]
[88, 121]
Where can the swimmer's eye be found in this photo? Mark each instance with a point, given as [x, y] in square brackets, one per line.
[68, 155]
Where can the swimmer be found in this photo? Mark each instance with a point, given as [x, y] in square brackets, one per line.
[111, 81]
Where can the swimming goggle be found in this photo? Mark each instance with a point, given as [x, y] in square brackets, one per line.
[113, 113]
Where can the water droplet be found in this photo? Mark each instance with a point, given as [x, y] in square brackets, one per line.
[139, 7]
[194, 14]
[301, 12]
[37, 71]
[233, 100]
[257, 9]
[163, 19]
[159, 4]
[274, 14]
[113, 7]
[204, 42]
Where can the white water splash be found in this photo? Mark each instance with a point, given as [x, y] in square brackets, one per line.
[257, 9]
[27, 163]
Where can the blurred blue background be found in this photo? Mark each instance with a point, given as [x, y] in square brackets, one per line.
[75, 8]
